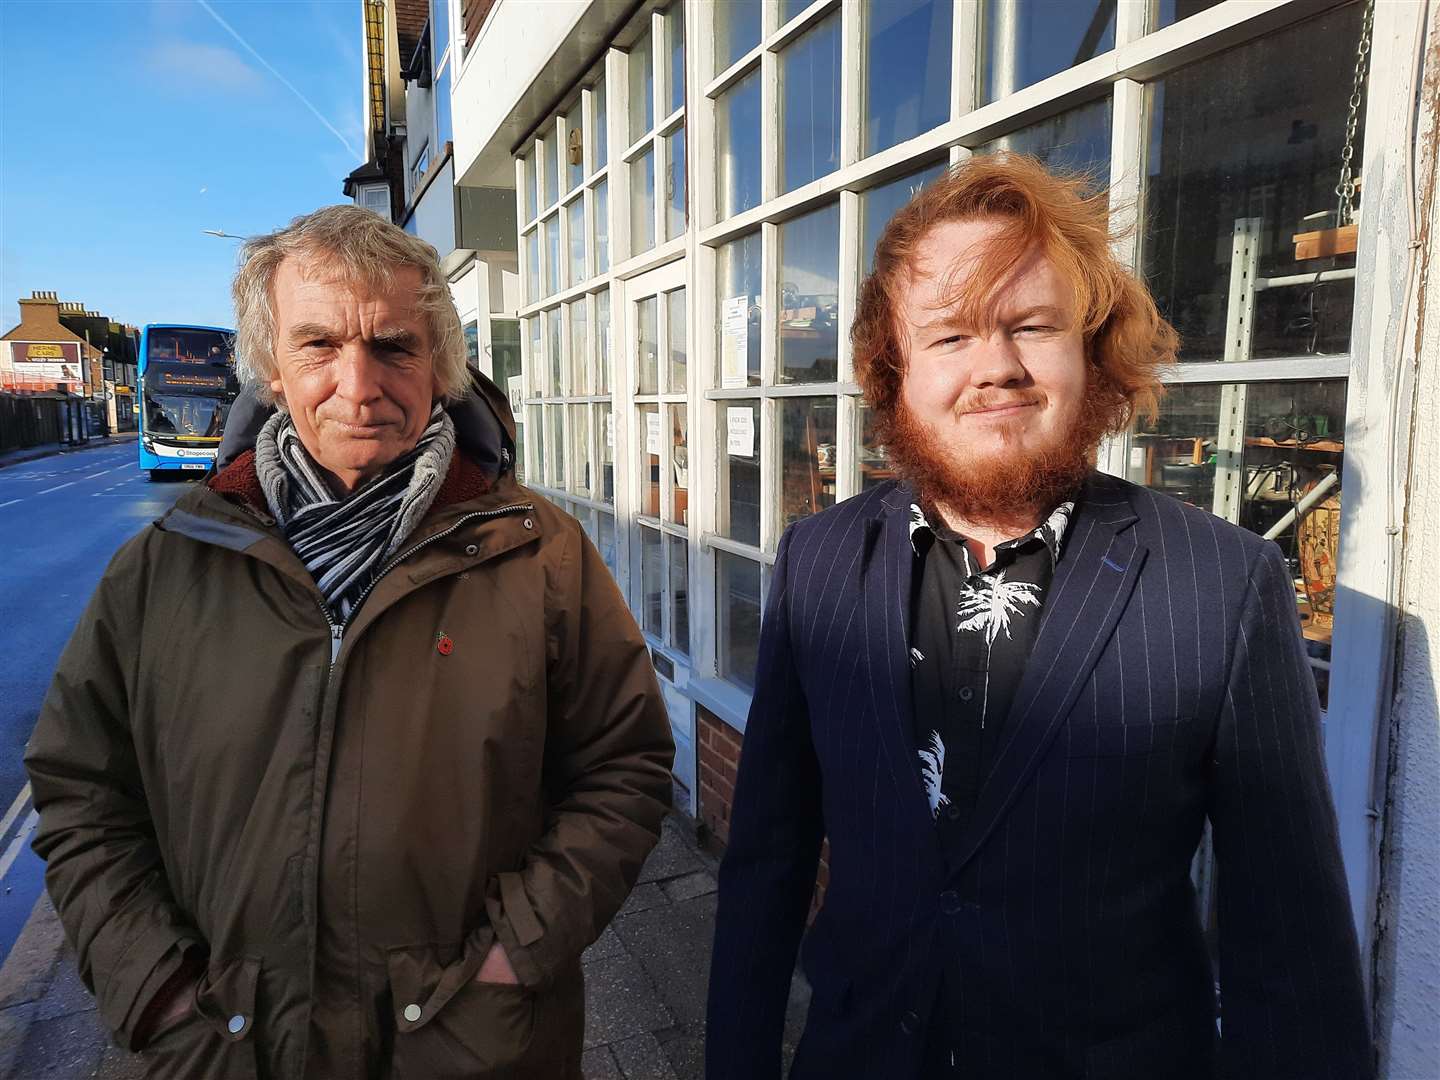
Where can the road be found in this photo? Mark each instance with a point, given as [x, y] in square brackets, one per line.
[61, 519]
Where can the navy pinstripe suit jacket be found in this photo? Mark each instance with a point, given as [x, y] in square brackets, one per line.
[1168, 685]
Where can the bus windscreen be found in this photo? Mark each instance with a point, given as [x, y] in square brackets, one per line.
[188, 345]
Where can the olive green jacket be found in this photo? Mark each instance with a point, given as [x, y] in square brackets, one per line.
[344, 819]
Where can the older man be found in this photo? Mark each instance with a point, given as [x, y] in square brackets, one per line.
[1011, 691]
[358, 747]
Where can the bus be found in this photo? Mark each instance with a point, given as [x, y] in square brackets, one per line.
[187, 385]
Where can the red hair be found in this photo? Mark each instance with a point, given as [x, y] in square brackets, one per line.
[1127, 342]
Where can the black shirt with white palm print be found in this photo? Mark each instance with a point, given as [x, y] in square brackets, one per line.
[972, 632]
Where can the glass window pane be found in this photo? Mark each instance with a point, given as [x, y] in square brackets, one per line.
[810, 96]
[679, 511]
[642, 88]
[738, 613]
[574, 148]
[472, 344]
[555, 434]
[582, 478]
[907, 88]
[676, 310]
[807, 461]
[602, 340]
[575, 223]
[444, 122]
[579, 348]
[879, 204]
[1075, 141]
[647, 346]
[737, 128]
[552, 174]
[810, 296]
[440, 27]
[737, 31]
[607, 540]
[675, 185]
[738, 276]
[521, 469]
[652, 580]
[1165, 12]
[738, 423]
[532, 266]
[790, 8]
[532, 180]
[642, 203]
[1030, 40]
[605, 432]
[505, 363]
[602, 226]
[554, 341]
[601, 145]
[874, 462]
[1221, 252]
[679, 594]
[536, 363]
[647, 439]
[552, 252]
[1275, 472]
[536, 424]
[676, 19]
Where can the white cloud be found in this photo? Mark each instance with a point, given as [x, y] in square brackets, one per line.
[190, 65]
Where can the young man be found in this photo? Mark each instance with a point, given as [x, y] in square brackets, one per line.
[1011, 690]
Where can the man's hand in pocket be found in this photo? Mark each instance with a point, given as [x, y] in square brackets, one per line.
[496, 968]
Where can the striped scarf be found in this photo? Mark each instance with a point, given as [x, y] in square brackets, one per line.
[344, 542]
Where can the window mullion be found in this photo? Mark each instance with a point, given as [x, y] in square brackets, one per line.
[852, 84]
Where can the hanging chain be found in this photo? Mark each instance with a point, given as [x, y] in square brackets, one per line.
[1345, 189]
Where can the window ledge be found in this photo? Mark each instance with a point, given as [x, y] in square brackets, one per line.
[724, 699]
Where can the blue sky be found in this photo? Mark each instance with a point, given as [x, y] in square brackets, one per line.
[128, 126]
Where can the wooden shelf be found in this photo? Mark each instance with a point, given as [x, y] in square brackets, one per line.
[1318, 446]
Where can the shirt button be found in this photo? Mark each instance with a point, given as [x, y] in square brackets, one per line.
[950, 902]
[910, 1023]
[412, 1013]
[966, 693]
[237, 1024]
[953, 812]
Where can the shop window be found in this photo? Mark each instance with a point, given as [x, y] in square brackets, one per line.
[642, 203]
[555, 415]
[679, 510]
[1165, 12]
[642, 88]
[1029, 40]
[579, 349]
[874, 462]
[530, 184]
[738, 423]
[602, 226]
[810, 103]
[472, 344]
[1245, 250]
[574, 147]
[675, 184]
[738, 608]
[652, 580]
[737, 30]
[647, 346]
[738, 344]
[555, 343]
[1074, 141]
[791, 8]
[1269, 457]
[648, 435]
[505, 364]
[605, 437]
[532, 266]
[810, 296]
[535, 423]
[907, 67]
[552, 254]
[582, 472]
[807, 460]
[679, 593]
[536, 365]
[575, 227]
[675, 19]
[879, 204]
[602, 341]
[606, 529]
[600, 138]
[675, 302]
[550, 158]
[737, 125]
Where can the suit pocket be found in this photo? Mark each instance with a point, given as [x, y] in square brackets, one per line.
[1088, 740]
[215, 1042]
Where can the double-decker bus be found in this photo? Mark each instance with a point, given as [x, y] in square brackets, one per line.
[187, 384]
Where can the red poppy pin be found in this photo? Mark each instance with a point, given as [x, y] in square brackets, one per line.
[443, 645]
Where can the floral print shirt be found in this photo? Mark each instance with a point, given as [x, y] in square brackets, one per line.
[972, 631]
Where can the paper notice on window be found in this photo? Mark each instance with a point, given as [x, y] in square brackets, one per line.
[740, 432]
[652, 433]
[515, 385]
[734, 342]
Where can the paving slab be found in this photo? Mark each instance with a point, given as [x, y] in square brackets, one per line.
[606, 945]
[597, 1064]
[688, 887]
[672, 943]
[673, 856]
[621, 1001]
[642, 1058]
[643, 898]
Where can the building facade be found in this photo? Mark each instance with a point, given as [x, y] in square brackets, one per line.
[697, 189]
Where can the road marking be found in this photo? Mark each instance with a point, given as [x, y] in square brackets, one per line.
[15, 808]
[57, 487]
[102, 472]
[18, 844]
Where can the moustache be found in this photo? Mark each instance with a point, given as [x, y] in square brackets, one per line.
[985, 400]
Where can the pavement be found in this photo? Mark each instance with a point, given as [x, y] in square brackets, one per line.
[35, 453]
[645, 984]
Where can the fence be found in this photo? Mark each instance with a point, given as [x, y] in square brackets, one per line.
[31, 421]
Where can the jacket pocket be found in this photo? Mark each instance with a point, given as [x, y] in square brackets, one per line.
[447, 1025]
[216, 1041]
[1089, 740]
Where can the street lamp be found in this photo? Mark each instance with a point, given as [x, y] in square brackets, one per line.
[222, 234]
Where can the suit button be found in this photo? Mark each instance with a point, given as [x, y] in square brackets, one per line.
[953, 812]
[966, 693]
[950, 902]
[910, 1023]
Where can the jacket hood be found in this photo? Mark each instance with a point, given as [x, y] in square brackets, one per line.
[484, 426]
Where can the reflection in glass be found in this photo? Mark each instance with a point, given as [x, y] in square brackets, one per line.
[737, 129]
[606, 543]
[737, 31]
[1226, 213]
[1275, 472]
[675, 185]
[1030, 40]
[583, 477]
[536, 363]
[531, 185]
[642, 203]
[679, 511]
[675, 302]
[675, 17]
[790, 8]
[808, 457]
[907, 88]
[559, 457]
[879, 204]
[602, 340]
[810, 296]
[1075, 141]
[574, 148]
[874, 462]
[601, 142]
[605, 440]
[679, 593]
[555, 342]
[505, 354]
[648, 439]
[552, 169]
[602, 226]
[739, 617]
[652, 580]
[552, 253]
[738, 424]
[642, 87]
[738, 275]
[535, 423]
[579, 348]
[647, 346]
[575, 223]
[1165, 12]
[810, 95]
[532, 266]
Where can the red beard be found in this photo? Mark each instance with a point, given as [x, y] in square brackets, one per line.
[1006, 490]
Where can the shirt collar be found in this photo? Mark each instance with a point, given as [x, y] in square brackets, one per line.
[1051, 530]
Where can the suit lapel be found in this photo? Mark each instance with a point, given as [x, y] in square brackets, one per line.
[1098, 568]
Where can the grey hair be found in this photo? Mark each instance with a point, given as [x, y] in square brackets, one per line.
[362, 247]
